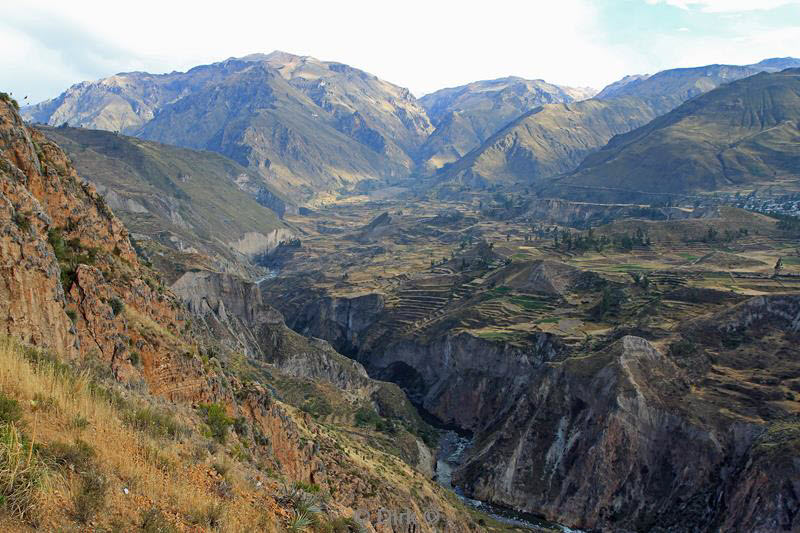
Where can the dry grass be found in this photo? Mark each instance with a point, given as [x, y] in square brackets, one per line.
[157, 472]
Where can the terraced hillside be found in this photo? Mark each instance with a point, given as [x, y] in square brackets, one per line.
[485, 322]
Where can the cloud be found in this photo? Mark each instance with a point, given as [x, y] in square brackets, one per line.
[421, 44]
[726, 6]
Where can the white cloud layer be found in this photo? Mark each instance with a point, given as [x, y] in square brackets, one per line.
[421, 44]
[726, 6]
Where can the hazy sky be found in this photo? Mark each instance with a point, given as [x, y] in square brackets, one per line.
[422, 45]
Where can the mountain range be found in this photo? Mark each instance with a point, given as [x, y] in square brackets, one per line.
[741, 136]
[312, 129]
[554, 139]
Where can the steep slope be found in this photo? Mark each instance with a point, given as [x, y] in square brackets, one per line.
[184, 206]
[534, 147]
[307, 127]
[120, 412]
[546, 141]
[679, 85]
[742, 135]
[465, 116]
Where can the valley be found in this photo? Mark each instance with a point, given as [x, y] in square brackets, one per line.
[275, 293]
[471, 314]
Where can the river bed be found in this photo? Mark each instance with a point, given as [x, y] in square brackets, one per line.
[452, 447]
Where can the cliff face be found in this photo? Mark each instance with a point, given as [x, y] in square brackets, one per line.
[694, 433]
[75, 254]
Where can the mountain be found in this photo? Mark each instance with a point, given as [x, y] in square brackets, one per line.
[554, 140]
[741, 136]
[187, 205]
[465, 116]
[128, 406]
[675, 86]
[546, 141]
[310, 128]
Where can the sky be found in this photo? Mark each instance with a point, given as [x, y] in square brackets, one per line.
[420, 44]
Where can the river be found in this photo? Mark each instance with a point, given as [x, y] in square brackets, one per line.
[452, 447]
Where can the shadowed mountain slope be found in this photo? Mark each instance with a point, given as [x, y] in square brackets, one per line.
[740, 136]
[308, 127]
[465, 116]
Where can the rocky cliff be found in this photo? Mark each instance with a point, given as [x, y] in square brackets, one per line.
[694, 432]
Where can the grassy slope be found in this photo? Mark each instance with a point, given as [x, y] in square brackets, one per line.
[549, 140]
[198, 186]
[740, 135]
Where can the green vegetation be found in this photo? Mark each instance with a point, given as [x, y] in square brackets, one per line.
[23, 474]
[529, 303]
[217, 420]
[22, 220]
[788, 224]
[153, 521]
[317, 406]
[116, 305]
[5, 97]
[91, 497]
[158, 424]
[10, 411]
[69, 253]
[366, 417]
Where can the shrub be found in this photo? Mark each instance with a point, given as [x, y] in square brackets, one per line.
[682, 348]
[154, 521]
[211, 515]
[23, 221]
[317, 406]
[78, 456]
[91, 497]
[218, 422]
[23, 474]
[10, 411]
[340, 525]
[69, 254]
[5, 97]
[157, 424]
[116, 305]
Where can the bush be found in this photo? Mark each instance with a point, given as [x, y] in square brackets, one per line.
[682, 348]
[210, 516]
[5, 97]
[218, 422]
[116, 305]
[157, 424]
[69, 254]
[10, 411]
[91, 498]
[340, 525]
[22, 473]
[154, 521]
[23, 221]
[78, 456]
